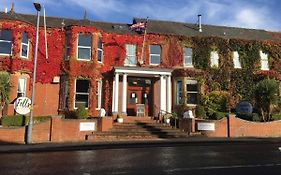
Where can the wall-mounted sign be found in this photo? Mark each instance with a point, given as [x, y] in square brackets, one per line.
[244, 107]
[22, 105]
[204, 126]
[87, 126]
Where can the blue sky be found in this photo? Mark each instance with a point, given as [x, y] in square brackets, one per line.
[257, 14]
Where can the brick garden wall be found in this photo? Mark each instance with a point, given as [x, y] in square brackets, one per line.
[54, 130]
[235, 127]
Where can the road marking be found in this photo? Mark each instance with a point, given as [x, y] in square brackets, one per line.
[223, 167]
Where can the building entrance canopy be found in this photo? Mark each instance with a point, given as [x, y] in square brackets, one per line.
[164, 101]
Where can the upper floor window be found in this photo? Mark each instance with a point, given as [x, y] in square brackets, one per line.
[155, 54]
[82, 93]
[100, 50]
[5, 42]
[214, 59]
[130, 59]
[98, 94]
[67, 46]
[21, 92]
[84, 47]
[24, 45]
[188, 57]
[236, 60]
[264, 61]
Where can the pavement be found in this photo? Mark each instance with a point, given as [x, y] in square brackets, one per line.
[79, 146]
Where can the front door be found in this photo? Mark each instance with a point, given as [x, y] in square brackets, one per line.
[139, 92]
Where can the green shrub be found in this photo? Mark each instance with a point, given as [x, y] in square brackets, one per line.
[217, 115]
[200, 112]
[248, 116]
[81, 113]
[16, 120]
[276, 117]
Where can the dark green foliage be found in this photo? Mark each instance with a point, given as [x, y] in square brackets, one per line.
[217, 115]
[249, 116]
[275, 117]
[266, 95]
[81, 112]
[17, 120]
[200, 112]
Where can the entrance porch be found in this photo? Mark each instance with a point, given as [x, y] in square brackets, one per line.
[147, 89]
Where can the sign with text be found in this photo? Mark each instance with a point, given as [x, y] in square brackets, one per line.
[204, 126]
[87, 126]
[22, 105]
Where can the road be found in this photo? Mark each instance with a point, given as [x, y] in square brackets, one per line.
[227, 158]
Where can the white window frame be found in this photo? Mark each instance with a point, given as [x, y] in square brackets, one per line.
[98, 94]
[214, 58]
[152, 54]
[23, 91]
[81, 93]
[191, 92]
[100, 50]
[189, 57]
[24, 44]
[7, 41]
[264, 61]
[83, 47]
[236, 60]
[179, 92]
[130, 57]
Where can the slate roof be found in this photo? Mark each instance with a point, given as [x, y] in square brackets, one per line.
[153, 26]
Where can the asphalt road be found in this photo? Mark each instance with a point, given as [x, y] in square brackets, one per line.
[227, 159]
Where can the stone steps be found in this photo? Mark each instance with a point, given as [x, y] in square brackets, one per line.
[138, 130]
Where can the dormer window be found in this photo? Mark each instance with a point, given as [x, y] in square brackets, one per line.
[5, 42]
[264, 61]
[84, 47]
[236, 60]
[214, 59]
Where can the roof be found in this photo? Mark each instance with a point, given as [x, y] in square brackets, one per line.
[153, 27]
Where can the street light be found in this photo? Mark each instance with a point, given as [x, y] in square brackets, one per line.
[30, 124]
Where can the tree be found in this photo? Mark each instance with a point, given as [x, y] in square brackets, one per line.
[5, 89]
[266, 95]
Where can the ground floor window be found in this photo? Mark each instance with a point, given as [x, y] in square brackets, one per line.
[82, 93]
[191, 91]
[179, 92]
[98, 94]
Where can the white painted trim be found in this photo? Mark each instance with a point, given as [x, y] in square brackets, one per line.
[124, 94]
[116, 93]
[145, 72]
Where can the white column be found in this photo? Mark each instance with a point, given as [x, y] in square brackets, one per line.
[116, 93]
[169, 95]
[124, 95]
[162, 98]
[113, 97]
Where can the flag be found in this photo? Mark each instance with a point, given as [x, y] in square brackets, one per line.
[138, 27]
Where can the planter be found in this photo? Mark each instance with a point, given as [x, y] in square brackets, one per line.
[120, 120]
[167, 120]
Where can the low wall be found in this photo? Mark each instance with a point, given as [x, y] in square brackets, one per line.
[56, 130]
[235, 127]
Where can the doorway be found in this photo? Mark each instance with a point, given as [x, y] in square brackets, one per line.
[140, 91]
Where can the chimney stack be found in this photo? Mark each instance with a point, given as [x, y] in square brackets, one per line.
[199, 23]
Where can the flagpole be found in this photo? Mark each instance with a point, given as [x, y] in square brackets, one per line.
[144, 39]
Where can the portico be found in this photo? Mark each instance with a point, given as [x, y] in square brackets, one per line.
[148, 86]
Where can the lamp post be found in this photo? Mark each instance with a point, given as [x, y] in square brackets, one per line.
[30, 124]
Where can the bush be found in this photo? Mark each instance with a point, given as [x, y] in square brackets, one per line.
[16, 120]
[200, 112]
[248, 116]
[276, 117]
[217, 115]
[81, 113]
